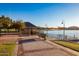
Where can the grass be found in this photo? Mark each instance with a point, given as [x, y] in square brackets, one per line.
[71, 45]
[7, 49]
[8, 30]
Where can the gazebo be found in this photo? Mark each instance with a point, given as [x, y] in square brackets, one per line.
[30, 28]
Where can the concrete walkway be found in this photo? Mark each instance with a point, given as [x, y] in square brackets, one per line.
[36, 47]
[42, 48]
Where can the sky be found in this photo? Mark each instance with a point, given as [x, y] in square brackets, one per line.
[43, 14]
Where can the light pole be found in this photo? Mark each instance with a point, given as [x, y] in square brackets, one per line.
[63, 29]
[46, 29]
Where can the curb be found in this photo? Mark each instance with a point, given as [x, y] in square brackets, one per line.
[72, 52]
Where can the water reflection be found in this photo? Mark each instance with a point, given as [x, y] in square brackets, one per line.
[69, 34]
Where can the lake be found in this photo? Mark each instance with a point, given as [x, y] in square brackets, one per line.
[70, 34]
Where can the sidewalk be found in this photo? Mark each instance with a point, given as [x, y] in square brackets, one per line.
[42, 48]
[38, 47]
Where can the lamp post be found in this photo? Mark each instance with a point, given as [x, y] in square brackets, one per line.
[63, 29]
[46, 28]
[46, 31]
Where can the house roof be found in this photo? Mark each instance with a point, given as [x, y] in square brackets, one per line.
[28, 24]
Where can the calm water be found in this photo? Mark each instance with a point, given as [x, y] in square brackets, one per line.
[70, 34]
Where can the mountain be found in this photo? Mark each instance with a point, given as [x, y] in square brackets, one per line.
[73, 28]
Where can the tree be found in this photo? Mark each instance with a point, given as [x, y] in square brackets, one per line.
[6, 22]
[18, 25]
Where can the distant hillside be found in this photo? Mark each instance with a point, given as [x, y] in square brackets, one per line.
[73, 28]
[67, 28]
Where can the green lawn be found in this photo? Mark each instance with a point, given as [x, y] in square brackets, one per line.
[72, 45]
[8, 29]
[7, 49]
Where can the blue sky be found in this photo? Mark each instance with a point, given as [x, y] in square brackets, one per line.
[40, 14]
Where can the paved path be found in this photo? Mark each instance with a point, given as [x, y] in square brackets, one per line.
[42, 48]
[35, 47]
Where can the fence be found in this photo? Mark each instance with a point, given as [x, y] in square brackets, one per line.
[60, 37]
